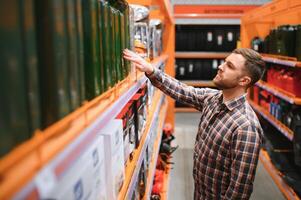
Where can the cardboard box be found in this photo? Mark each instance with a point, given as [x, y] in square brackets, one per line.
[113, 149]
[84, 180]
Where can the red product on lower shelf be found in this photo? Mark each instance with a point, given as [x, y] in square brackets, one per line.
[293, 82]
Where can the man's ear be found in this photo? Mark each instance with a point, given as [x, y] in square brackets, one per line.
[244, 81]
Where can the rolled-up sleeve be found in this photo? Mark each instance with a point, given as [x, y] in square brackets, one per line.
[181, 92]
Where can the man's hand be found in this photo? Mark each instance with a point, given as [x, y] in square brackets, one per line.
[139, 62]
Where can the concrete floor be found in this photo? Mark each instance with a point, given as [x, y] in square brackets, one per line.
[181, 182]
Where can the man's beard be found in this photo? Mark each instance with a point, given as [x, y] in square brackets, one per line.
[222, 85]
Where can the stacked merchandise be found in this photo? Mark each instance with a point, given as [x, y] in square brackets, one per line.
[284, 40]
[212, 38]
[197, 69]
[56, 55]
[285, 154]
[281, 152]
[203, 38]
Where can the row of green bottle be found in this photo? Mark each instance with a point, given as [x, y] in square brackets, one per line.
[54, 55]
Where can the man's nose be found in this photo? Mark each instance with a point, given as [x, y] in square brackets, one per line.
[221, 67]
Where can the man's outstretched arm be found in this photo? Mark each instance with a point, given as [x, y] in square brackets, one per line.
[181, 92]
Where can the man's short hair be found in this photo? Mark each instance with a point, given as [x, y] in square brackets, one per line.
[254, 63]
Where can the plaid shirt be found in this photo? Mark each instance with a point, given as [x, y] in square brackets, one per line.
[227, 143]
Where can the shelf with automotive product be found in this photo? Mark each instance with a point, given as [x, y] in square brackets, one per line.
[279, 92]
[48, 144]
[277, 176]
[276, 123]
[281, 60]
[201, 54]
[157, 134]
[133, 167]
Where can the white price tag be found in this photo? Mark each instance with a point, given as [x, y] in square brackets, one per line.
[230, 36]
[190, 68]
[45, 182]
[209, 36]
[219, 40]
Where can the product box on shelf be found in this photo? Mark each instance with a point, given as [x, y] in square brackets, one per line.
[114, 157]
[140, 101]
[84, 180]
[123, 115]
[132, 129]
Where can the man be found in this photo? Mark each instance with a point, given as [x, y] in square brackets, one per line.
[229, 135]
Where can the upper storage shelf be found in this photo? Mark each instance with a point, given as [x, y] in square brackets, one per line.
[279, 60]
[261, 20]
[48, 144]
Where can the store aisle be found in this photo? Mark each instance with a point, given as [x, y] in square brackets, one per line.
[181, 182]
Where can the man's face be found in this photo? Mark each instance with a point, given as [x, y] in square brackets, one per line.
[231, 72]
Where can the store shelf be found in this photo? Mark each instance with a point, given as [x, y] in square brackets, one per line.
[277, 124]
[198, 83]
[56, 145]
[287, 191]
[178, 109]
[164, 194]
[281, 60]
[154, 158]
[279, 92]
[132, 170]
[205, 55]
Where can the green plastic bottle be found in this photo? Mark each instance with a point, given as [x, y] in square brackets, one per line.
[72, 52]
[53, 64]
[106, 46]
[80, 48]
[91, 49]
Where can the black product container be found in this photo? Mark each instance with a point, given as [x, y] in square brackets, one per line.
[257, 44]
[198, 70]
[53, 60]
[298, 42]
[181, 69]
[19, 114]
[273, 41]
[219, 40]
[286, 40]
[296, 127]
[266, 43]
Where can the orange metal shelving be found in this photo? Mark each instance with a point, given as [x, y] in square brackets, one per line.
[45, 145]
[279, 92]
[277, 124]
[287, 191]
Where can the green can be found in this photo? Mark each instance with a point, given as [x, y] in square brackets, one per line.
[31, 64]
[91, 49]
[112, 40]
[106, 43]
[117, 32]
[80, 49]
[298, 42]
[52, 61]
[72, 53]
[14, 116]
